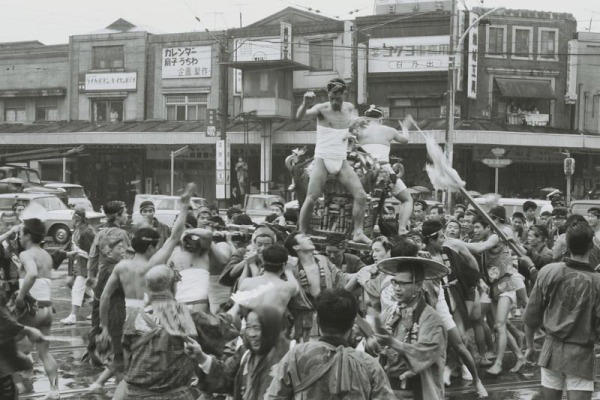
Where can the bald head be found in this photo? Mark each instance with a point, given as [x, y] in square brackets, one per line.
[160, 279]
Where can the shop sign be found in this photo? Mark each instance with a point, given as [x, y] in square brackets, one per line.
[186, 62]
[111, 81]
[472, 55]
[572, 60]
[409, 54]
[258, 49]
[223, 170]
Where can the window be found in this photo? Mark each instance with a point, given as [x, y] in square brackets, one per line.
[186, 107]
[496, 41]
[417, 108]
[108, 57]
[522, 42]
[46, 114]
[107, 111]
[321, 55]
[15, 110]
[547, 44]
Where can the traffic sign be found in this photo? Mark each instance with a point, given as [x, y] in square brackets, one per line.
[497, 162]
[569, 165]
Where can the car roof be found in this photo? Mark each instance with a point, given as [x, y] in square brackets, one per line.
[25, 196]
[62, 185]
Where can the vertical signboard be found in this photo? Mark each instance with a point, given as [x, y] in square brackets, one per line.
[472, 54]
[286, 41]
[572, 59]
[211, 122]
[223, 168]
[459, 60]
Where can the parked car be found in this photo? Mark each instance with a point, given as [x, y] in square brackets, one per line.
[76, 196]
[258, 206]
[28, 177]
[513, 205]
[167, 207]
[581, 207]
[59, 218]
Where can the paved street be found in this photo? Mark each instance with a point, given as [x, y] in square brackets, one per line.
[75, 376]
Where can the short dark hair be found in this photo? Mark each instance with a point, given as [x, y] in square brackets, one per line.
[242, 219]
[336, 85]
[528, 205]
[481, 221]
[290, 242]
[144, 238]
[594, 210]
[291, 216]
[405, 248]
[336, 311]
[460, 205]
[216, 220]
[335, 240]
[270, 218]
[571, 219]
[35, 228]
[430, 229]
[278, 204]
[233, 210]
[518, 215]
[422, 203]
[274, 258]
[440, 209]
[190, 221]
[580, 238]
[385, 243]
[540, 231]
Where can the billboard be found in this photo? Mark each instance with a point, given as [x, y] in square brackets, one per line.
[186, 62]
[472, 55]
[409, 54]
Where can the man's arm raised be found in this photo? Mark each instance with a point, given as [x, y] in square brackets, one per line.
[166, 250]
[402, 136]
[480, 247]
[306, 108]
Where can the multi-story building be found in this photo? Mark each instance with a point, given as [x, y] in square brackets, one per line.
[583, 85]
[131, 96]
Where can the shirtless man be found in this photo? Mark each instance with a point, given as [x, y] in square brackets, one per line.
[315, 273]
[275, 259]
[129, 274]
[333, 120]
[35, 275]
[376, 139]
[498, 275]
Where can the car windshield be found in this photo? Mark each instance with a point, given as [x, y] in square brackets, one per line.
[7, 203]
[257, 203]
[199, 202]
[75, 192]
[34, 177]
[50, 203]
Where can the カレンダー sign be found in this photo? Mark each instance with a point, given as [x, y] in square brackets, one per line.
[186, 62]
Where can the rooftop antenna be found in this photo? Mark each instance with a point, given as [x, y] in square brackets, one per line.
[240, 5]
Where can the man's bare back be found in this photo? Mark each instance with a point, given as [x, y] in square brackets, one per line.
[42, 260]
[131, 274]
[279, 297]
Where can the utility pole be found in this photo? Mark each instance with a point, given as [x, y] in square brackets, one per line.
[223, 84]
[449, 137]
[354, 64]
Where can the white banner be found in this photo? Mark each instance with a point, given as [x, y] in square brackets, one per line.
[409, 54]
[111, 81]
[186, 62]
[472, 54]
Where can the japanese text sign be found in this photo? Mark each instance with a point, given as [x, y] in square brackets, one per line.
[186, 62]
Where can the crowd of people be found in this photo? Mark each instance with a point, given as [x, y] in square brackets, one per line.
[224, 307]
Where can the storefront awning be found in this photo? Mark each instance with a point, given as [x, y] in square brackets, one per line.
[268, 64]
[525, 88]
[41, 154]
[33, 92]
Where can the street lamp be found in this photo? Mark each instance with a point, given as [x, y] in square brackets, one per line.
[174, 154]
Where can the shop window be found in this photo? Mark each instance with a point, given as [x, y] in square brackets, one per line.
[15, 110]
[547, 44]
[496, 41]
[108, 57]
[107, 111]
[321, 55]
[419, 109]
[46, 114]
[186, 107]
[522, 42]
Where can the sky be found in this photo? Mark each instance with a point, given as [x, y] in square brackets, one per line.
[53, 21]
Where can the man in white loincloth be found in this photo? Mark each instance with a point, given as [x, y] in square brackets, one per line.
[376, 139]
[333, 120]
